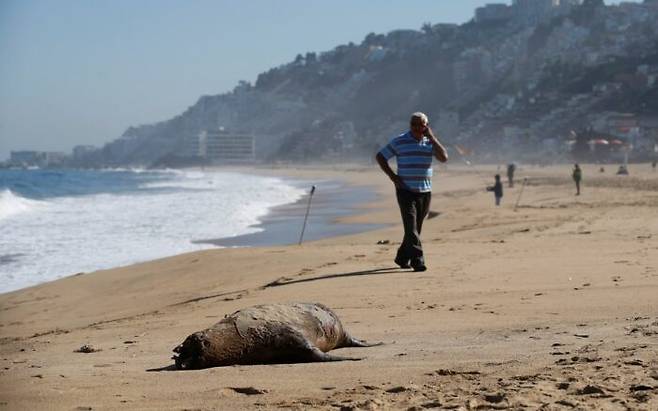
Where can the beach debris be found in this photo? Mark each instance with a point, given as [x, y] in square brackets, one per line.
[249, 390]
[87, 349]
[382, 242]
[308, 209]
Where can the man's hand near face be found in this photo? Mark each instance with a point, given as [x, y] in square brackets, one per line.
[440, 152]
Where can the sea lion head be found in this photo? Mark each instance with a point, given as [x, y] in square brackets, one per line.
[191, 354]
[212, 347]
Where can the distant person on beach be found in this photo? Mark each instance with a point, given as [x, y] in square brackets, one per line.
[511, 168]
[414, 150]
[497, 189]
[577, 176]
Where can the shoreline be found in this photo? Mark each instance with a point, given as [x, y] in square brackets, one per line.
[334, 200]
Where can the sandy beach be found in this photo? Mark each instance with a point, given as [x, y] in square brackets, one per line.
[551, 306]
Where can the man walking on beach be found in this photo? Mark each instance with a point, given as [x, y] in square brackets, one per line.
[577, 175]
[413, 182]
[511, 168]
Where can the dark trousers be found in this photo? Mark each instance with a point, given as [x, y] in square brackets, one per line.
[413, 209]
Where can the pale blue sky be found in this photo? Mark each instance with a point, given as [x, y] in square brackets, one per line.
[82, 71]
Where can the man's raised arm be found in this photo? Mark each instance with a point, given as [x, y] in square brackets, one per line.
[440, 152]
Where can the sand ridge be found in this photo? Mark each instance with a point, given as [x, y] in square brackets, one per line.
[551, 306]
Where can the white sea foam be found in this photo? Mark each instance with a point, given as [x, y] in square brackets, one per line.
[87, 233]
[12, 204]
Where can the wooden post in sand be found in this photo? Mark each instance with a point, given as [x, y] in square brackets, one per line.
[525, 180]
[308, 208]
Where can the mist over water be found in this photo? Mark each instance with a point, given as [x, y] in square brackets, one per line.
[58, 223]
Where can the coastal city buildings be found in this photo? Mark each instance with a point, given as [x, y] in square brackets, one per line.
[27, 158]
[222, 146]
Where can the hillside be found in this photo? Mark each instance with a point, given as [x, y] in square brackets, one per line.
[489, 84]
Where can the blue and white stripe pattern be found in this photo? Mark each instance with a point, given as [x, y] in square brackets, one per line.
[414, 160]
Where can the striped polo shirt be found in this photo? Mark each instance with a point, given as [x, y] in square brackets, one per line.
[414, 160]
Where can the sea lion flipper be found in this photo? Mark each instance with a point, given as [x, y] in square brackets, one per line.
[354, 342]
[315, 355]
[297, 348]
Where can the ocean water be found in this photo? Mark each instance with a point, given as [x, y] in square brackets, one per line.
[55, 223]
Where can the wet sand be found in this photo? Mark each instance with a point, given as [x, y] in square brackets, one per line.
[551, 306]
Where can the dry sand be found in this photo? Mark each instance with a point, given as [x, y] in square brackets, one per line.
[554, 306]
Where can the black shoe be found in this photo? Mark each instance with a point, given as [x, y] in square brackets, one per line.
[402, 263]
[418, 265]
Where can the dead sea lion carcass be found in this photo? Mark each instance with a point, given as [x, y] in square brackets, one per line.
[276, 333]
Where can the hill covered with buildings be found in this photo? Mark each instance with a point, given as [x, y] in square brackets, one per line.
[521, 79]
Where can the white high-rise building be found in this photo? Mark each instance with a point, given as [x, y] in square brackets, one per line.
[222, 146]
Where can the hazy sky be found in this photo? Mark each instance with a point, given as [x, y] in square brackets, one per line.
[82, 71]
